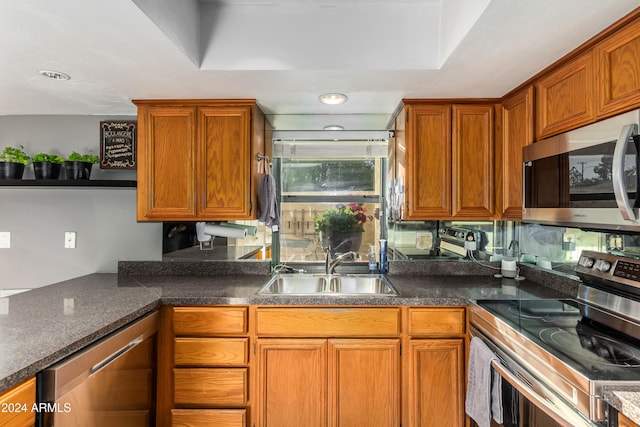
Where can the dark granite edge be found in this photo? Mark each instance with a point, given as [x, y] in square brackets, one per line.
[317, 301]
[625, 400]
[45, 362]
[560, 282]
[193, 268]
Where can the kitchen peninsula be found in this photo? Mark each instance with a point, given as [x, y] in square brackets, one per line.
[45, 325]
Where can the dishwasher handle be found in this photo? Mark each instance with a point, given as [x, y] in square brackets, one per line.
[103, 363]
[59, 379]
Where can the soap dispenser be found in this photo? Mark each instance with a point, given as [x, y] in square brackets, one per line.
[373, 265]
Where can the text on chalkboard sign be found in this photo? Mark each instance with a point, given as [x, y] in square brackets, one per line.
[117, 145]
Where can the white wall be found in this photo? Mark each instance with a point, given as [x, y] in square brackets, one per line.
[37, 217]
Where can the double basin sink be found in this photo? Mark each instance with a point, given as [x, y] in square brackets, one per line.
[329, 284]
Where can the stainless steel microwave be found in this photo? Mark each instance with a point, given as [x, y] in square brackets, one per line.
[586, 178]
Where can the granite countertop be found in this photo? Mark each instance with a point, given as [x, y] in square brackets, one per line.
[44, 325]
[626, 400]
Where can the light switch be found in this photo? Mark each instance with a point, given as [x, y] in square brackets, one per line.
[70, 239]
[5, 239]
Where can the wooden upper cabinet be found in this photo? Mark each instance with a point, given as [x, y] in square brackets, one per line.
[517, 132]
[425, 161]
[564, 98]
[198, 159]
[618, 80]
[224, 134]
[444, 155]
[166, 162]
[473, 161]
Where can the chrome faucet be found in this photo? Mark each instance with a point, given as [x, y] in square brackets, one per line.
[330, 265]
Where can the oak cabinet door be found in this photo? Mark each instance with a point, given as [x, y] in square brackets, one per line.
[618, 81]
[517, 132]
[291, 383]
[436, 383]
[564, 98]
[224, 162]
[198, 159]
[624, 421]
[16, 404]
[364, 382]
[166, 162]
[473, 160]
[425, 160]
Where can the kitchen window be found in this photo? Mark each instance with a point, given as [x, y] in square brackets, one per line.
[325, 176]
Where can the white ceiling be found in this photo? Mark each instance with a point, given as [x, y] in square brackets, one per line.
[284, 53]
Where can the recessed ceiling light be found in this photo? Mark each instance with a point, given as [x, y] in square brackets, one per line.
[55, 75]
[333, 127]
[333, 98]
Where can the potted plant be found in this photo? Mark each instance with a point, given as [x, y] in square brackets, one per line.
[341, 227]
[78, 166]
[47, 166]
[12, 162]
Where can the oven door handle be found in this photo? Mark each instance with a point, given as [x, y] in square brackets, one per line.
[569, 419]
[618, 174]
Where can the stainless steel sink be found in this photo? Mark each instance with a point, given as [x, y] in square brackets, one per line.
[325, 285]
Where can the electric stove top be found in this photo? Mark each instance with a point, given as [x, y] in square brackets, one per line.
[570, 349]
[561, 328]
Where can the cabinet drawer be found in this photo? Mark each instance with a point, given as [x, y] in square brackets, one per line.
[441, 321]
[328, 322]
[215, 386]
[207, 321]
[211, 351]
[208, 417]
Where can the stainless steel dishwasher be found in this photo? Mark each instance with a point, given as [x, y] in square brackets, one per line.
[110, 383]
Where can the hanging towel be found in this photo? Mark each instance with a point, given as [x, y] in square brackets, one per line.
[484, 393]
[268, 207]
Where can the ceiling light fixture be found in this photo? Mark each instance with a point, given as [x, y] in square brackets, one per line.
[55, 75]
[333, 98]
[333, 127]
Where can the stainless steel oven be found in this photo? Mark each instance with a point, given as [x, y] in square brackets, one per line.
[556, 357]
[587, 177]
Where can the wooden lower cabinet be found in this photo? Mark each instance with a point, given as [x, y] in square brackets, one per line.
[624, 421]
[17, 404]
[436, 383]
[210, 386]
[364, 382]
[434, 369]
[334, 382]
[281, 366]
[208, 417]
[203, 367]
[292, 382]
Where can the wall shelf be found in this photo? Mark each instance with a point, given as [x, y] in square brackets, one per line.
[73, 183]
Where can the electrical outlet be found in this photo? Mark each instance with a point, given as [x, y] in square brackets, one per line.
[5, 239]
[70, 239]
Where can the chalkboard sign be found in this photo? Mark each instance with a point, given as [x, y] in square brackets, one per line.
[117, 145]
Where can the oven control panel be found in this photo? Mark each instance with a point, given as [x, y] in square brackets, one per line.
[610, 267]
